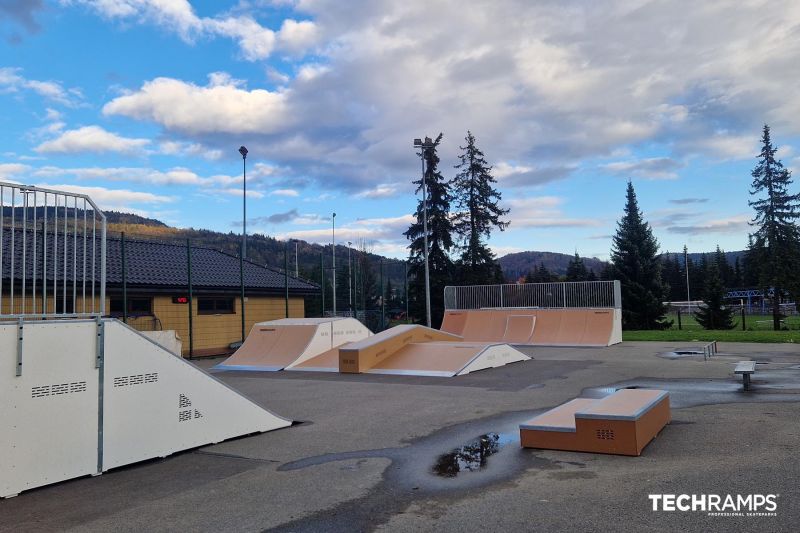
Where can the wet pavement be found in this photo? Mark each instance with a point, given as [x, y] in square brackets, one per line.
[436, 454]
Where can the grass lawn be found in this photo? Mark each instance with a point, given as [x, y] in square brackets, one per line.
[759, 329]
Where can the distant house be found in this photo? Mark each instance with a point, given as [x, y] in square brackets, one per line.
[157, 290]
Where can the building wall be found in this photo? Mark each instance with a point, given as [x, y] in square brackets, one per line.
[212, 334]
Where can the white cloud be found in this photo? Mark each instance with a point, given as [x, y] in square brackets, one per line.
[285, 192]
[386, 232]
[543, 212]
[227, 108]
[379, 191]
[10, 170]
[179, 148]
[111, 198]
[92, 139]
[651, 168]
[12, 81]
[255, 41]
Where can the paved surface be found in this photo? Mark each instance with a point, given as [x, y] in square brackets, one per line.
[362, 456]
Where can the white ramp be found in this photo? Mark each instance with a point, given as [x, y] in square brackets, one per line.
[94, 395]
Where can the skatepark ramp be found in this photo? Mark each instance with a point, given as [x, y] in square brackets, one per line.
[565, 314]
[622, 423]
[80, 397]
[421, 351]
[288, 342]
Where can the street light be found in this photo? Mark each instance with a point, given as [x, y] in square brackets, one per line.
[424, 146]
[349, 278]
[333, 252]
[243, 151]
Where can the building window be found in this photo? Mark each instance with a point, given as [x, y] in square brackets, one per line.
[215, 306]
[136, 306]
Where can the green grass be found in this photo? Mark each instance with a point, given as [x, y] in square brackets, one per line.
[702, 335]
[759, 329]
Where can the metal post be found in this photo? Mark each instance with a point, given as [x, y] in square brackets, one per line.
[686, 267]
[296, 262]
[124, 278]
[333, 253]
[322, 280]
[383, 298]
[743, 320]
[405, 279]
[241, 284]
[243, 151]
[679, 319]
[286, 274]
[425, 235]
[191, 302]
[349, 278]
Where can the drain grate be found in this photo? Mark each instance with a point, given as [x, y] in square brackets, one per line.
[605, 434]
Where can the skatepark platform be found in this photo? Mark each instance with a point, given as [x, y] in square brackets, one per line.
[622, 423]
[553, 327]
[288, 342]
[418, 350]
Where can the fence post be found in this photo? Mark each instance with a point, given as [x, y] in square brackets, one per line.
[383, 299]
[241, 283]
[124, 277]
[679, 319]
[322, 281]
[191, 303]
[286, 274]
[743, 320]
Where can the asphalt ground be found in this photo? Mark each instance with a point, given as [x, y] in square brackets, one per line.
[365, 452]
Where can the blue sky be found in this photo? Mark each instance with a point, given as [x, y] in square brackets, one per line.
[144, 103]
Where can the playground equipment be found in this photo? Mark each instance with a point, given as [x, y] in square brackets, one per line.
[289, 342]
[564, 314]
[421, 351]
[81, 394]
[622, 423]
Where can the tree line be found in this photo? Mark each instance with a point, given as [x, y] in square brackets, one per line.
[770, 262]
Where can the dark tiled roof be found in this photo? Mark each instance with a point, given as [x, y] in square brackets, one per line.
[149, 264]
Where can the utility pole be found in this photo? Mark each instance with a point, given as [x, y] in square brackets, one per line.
[349, 277]
[686, 266]
[286, 274]
[333, 253]
[424, 147]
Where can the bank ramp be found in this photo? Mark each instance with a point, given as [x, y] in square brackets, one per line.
[421, 351]
[289, 342]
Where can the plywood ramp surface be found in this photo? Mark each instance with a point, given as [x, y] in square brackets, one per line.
[362, 355]
[623, 423]
[279, 344]
[327, 361]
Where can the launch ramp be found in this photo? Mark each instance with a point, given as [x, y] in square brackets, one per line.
[288, 342]
[420, 351]
[106, 396]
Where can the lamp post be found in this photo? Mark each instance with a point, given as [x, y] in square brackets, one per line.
[686, 266]
[243, 151]
[424, 146]
[333, 253]
[349, 278]
[296, 263]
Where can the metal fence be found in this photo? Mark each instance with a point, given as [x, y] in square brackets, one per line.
[578, 294]
[52, 254]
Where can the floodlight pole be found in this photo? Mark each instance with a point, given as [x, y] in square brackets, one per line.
[333, 253]
[349, 277]
[243, 151]
[423, 147]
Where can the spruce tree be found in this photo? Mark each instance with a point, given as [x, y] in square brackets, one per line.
[713, 314]
[440, 240]
[477, 213]
[636, 265]
[775, 246]
[576, 269]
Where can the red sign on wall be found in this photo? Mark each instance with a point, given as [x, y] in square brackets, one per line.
[180, 299]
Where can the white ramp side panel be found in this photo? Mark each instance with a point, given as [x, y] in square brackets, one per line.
[157, 404]
[48, 414]
[494, 356]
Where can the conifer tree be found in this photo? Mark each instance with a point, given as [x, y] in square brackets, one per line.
[440, 240]
[636, 265]
[576, 269]
[713, 314]
[477, 213]
[775, 246]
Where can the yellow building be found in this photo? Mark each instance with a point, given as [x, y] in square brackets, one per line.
[157, 295]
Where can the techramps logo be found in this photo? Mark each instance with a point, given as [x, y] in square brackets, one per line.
[728, 505]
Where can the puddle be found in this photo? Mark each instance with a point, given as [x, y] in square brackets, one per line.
[472, 456]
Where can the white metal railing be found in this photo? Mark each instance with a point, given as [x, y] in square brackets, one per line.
[52, 254]
[577, 294]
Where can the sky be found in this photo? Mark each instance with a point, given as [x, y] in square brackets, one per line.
[143, 105]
